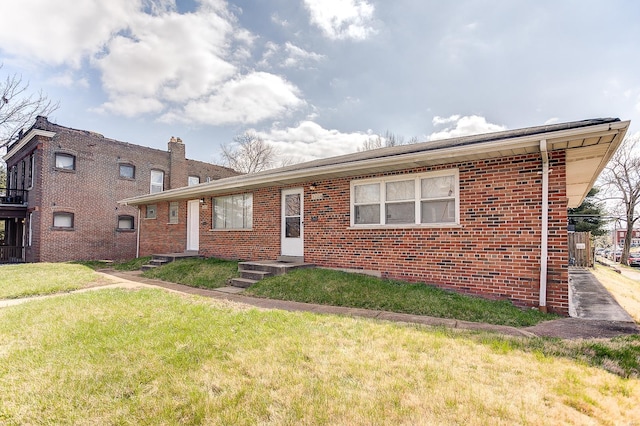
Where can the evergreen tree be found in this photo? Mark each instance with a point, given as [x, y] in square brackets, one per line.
[590, 216]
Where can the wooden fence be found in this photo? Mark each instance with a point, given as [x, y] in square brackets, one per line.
[580, 251]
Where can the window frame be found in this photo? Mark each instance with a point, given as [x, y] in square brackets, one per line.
[64, 154]
[63, 228]
[32, 164]
[247, 219]
[151, 208]
[417, 200]
[126, 217]
[133, 171]
[152, 183]
[193, 177]
[174, 206]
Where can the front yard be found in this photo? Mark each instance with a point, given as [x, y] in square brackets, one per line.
[153, 357]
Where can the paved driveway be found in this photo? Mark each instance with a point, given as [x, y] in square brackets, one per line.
[588, 299]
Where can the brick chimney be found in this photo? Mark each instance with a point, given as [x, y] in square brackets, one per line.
[178, 173]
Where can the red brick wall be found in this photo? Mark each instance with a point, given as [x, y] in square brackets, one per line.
[160, 235]
[495, 252]
[92, 192]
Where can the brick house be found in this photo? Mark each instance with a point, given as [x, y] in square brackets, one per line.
[618, 236]
[483, 214]
[63, 190]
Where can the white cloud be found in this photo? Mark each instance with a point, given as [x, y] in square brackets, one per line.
[342, 19]
[297, 55]
[310, 141]
[552, 120]
[287, 56]
[464, 126]
[67, 79]
[246, 99]
[437, 120]
[153, 59]
[62, 31]
[131, 106]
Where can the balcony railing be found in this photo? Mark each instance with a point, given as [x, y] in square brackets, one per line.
[11, 254]
[13, 196]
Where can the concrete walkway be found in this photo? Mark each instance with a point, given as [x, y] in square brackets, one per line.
[566, 328]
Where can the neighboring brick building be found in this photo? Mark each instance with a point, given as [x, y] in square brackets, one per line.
[63, 190]
[483, 214]
[618, 235]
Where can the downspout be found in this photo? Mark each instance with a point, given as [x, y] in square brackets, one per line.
[544, 249]
[138, 236]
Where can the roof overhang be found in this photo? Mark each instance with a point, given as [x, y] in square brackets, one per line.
[25, 140]
[588, 148]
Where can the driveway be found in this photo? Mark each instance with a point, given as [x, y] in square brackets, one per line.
[588, 299]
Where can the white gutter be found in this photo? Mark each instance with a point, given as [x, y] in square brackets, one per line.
[395, 157]
[544, 249]
[138, 236]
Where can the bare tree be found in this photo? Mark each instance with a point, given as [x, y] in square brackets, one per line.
[249, 153]
[386, 140]
[18, 108]
[621, 180]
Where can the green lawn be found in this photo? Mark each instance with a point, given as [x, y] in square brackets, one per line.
[202, 273]
[150, 357]
[337, 288]
[33, 279]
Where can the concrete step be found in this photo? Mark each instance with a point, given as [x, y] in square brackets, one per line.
[147, 267]
[158, 262]
[291, 259]
[253, 274]
[242, 282]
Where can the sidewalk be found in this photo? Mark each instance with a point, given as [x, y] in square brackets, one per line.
[565, 328]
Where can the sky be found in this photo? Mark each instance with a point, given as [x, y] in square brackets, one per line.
[318, 78]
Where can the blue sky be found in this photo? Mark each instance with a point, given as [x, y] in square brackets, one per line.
[317, 78]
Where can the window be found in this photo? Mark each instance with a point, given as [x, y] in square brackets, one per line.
[125, 223]
[193, 180]
[424, 199]
[32, 166]
[233, 212]
[157, 181]
[127, 171]
[151, 211]
[65, 161]
[63, 220]
[173, 212]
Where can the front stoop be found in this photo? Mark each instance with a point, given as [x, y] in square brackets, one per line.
[252, 272]
[163, 259]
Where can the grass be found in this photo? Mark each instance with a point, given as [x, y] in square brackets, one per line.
[34, 279]
[152, 357]
[202, 273]
[127, 265]
[337, 288]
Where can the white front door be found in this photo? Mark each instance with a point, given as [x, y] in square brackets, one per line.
[193, 225]
[292, 222]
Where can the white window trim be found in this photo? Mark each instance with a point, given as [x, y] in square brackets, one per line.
[248, 227]
[154, 184]
[417, 200]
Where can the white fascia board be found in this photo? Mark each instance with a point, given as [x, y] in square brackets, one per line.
[243, 182]
[26, 139]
